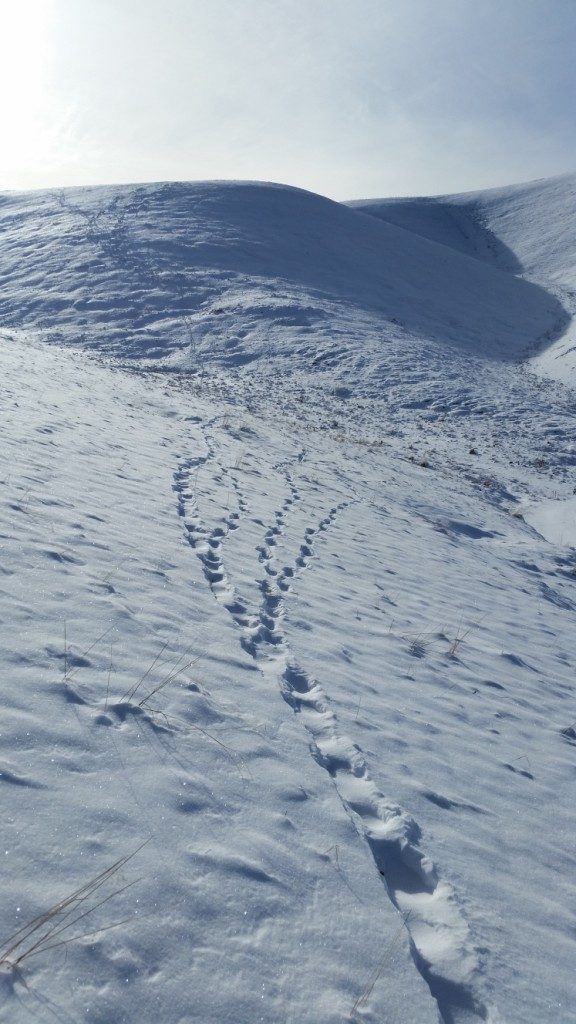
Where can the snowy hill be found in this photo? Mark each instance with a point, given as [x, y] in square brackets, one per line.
[527, 230]
[287, 595]
[258, 270]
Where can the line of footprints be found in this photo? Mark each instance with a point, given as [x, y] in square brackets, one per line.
[427, 903]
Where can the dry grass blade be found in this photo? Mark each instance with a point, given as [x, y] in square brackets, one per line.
[234, 757]
[39, 934]
[175, 671]
[462, 634]
[369, 986]
[68, 675]
[132, 692]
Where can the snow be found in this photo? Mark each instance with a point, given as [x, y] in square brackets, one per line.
[521, 228]
[527, 230]
[287, 596]
[243, 270]
[555, 520]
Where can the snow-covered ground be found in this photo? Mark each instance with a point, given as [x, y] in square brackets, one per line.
[526, 230]
[287, 596]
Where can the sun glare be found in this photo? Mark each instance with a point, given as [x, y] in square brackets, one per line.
[30, 122]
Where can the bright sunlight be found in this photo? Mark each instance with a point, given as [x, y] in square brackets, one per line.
[32, 125]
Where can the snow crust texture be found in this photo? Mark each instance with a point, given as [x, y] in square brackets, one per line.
[287, 593]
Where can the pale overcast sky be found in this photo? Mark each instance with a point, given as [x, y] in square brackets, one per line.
[350, 98]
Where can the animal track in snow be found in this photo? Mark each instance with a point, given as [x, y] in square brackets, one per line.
[208, 544]
[439, 937]
[440, 941]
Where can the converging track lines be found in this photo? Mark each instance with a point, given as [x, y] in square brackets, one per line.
[439, 937]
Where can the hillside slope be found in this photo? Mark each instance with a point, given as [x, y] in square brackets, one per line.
[232, 272]
[527, 230]
[287, 611]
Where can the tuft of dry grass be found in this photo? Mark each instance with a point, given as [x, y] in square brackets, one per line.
[164, 669]
[170, 671]
[50, 929]
[461, 635]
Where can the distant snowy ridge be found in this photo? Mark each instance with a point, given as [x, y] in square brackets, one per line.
[527, 230]
[228, 273]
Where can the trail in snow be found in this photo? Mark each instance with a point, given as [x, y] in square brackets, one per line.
[368, 365]
[440, 941]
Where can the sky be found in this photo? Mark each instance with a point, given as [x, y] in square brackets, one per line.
[349, 98]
